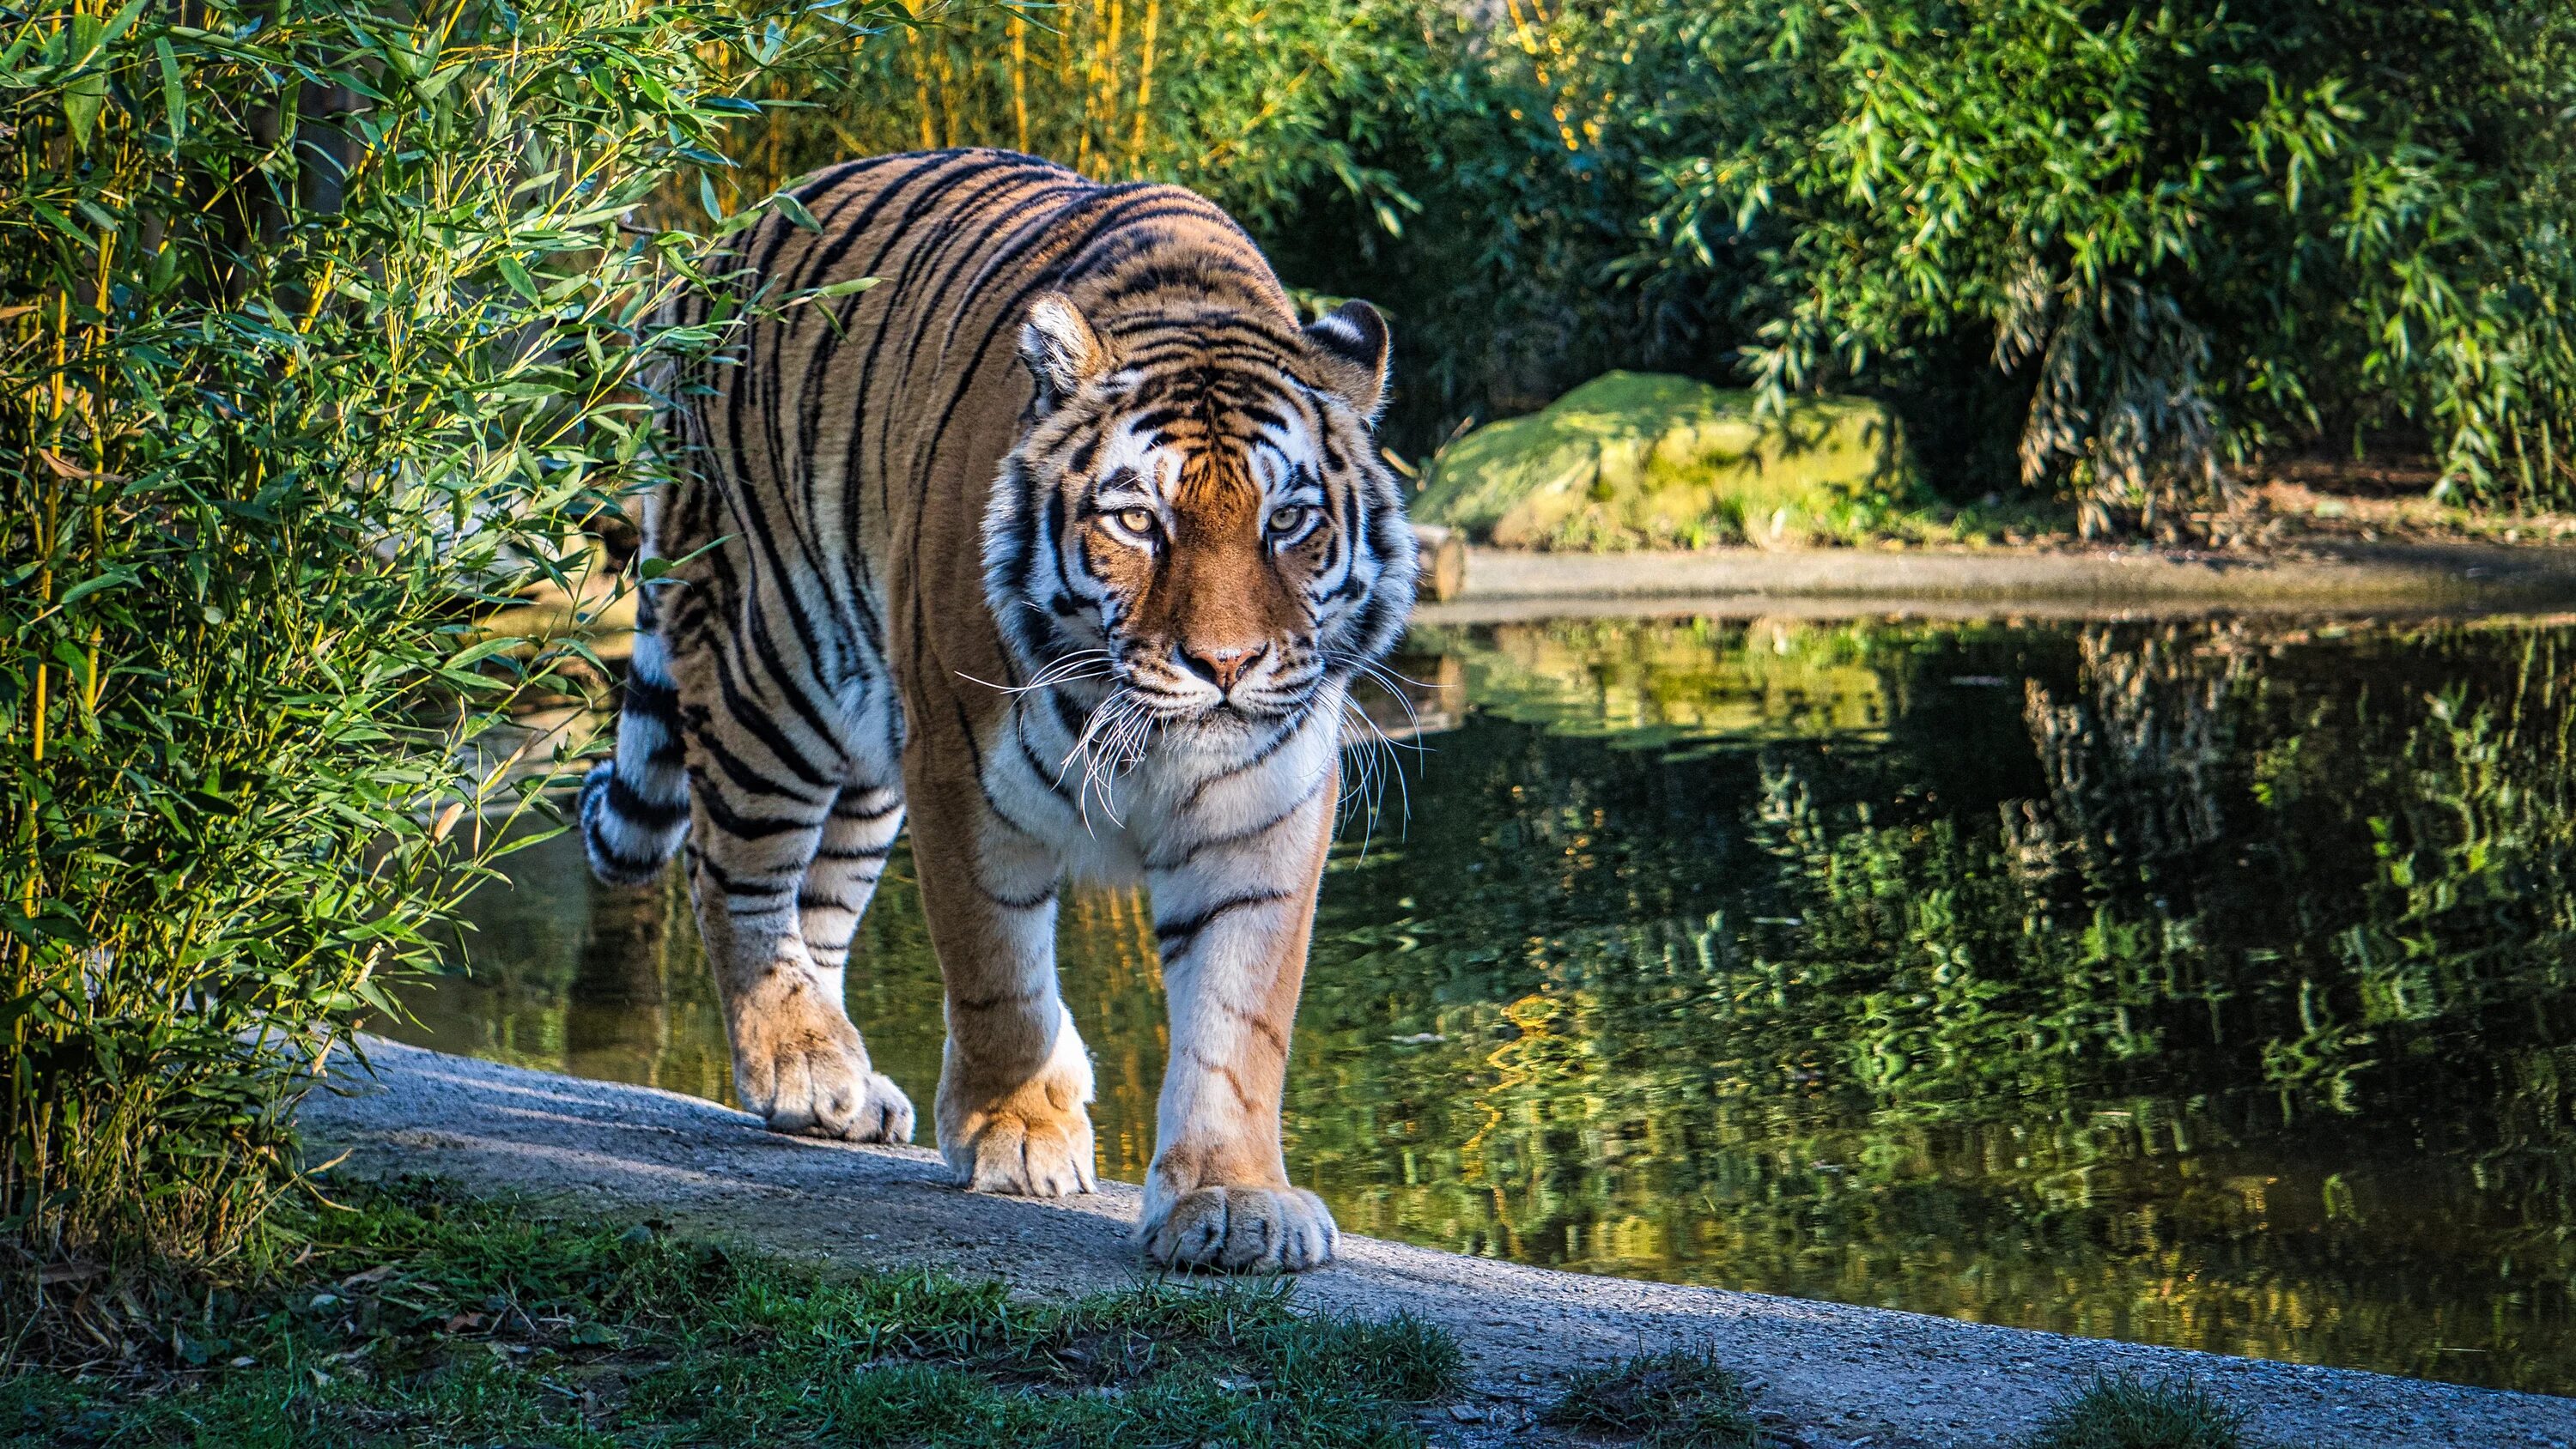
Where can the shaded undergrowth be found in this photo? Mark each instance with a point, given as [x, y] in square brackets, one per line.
[1686, 1399]
[2128, 1413]
[420, 1317]
[1683, 1399]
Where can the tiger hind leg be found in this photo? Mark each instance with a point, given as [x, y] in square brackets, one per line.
[782, 863]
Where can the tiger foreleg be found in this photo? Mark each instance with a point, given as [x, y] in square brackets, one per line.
[797, 1061]
[1234, 927]
[1014, 1077]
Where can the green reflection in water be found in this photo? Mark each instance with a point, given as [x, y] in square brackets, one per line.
[2211, 985]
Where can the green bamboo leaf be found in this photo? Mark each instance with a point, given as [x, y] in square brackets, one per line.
[174, 95]
[124, 19]
[796, 212]
[114, 578]
[474, 654]
[84, 96]
[516, 275]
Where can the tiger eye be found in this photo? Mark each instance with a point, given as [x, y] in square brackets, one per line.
[1136, 520]
[1285, 520]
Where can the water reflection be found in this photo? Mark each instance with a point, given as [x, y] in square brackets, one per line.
[2206, 984]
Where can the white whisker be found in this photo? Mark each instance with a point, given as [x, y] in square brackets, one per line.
[1072, 668]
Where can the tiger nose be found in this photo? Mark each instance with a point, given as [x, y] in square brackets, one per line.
[1220, 667]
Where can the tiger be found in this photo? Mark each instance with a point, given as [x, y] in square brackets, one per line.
[1061, 546]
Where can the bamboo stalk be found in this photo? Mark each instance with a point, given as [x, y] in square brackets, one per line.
[1020, 80]
[1109, 75]
[1144, 88]
[1090, 95]
[947, 92]
[920, 86]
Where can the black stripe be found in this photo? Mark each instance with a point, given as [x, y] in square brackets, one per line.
[830, 852]
[739, 711]
[1017, 903]
[1177, 938]
[749, 780]
[733, 885]
[1287, 731]
[790, 680]
[847, 808]
[743, 826]
[1248, 833]
[636, 808]
[1053, 781]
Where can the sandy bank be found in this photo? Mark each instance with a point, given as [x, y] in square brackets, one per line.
[2325, 576]
[1837, 1376]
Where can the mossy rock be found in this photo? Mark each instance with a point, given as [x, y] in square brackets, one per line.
[1647, 460]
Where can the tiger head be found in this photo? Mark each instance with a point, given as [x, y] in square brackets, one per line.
[1197, 515]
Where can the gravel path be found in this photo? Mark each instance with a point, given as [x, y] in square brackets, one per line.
[2341, 576]
[1830, 1376]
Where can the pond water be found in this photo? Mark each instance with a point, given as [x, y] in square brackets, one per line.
[2209, 984]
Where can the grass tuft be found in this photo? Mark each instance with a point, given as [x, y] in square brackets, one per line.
[1676, 1400]
[2119, 1412]
[420, 1315]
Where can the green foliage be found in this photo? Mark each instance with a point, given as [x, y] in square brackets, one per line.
[320, 329]
[2118, 248]
[2126, 1413]
[2188, 232]
[1528, 140]
[422, 1313]
[1378, 148]
[1245, 101]
[1675, 1400]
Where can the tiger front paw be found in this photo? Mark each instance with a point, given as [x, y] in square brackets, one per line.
[1241, 1229]
[1031, 1138]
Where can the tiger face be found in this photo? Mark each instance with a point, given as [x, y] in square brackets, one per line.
[1198, 517]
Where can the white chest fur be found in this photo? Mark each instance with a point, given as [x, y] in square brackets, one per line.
[1117, 808]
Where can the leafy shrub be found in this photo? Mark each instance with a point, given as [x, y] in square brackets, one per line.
[2187, 232]
[1246, 101]
[1390, 149]
[1529, 142]
[320, 328]
[2118, 249]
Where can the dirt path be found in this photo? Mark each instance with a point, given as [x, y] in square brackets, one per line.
[1838, 1377]
[2319, 576]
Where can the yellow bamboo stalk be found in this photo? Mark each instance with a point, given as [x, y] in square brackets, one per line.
[52, 533]
[947, 93]
[1064, 81]
[1109, 76]
[1144, 88]
[1090, 93]
[920, 86]
[1020, 80]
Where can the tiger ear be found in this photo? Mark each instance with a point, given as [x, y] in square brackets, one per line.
[1060, 347]
[1350, 344]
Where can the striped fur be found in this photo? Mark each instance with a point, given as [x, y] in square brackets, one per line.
[1066, 540]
